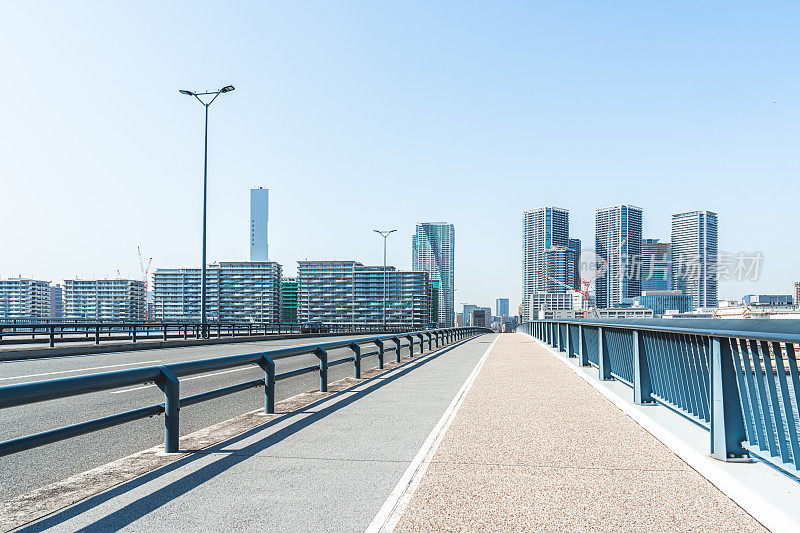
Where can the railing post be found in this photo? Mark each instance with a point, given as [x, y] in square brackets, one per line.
[97, 334]
[642, 389]
[603, 362]
[133, 333]
[52, 337]
[356, 360]
[410, 345]
[583, 359]
[268, 365]
[165, 332]
[170, 386]
[727, 424]
[567, 343]
[322, 355]
[185, 332]
[430, 341]
[379, 344]
[396, 349]
[421, 343]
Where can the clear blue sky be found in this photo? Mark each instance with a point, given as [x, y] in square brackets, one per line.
[377, 114]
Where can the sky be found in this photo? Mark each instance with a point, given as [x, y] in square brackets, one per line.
[363, 115]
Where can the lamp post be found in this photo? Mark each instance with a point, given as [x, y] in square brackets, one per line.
[206, 104]
[385, 234]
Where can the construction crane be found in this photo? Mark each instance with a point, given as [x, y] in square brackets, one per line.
[145, 271]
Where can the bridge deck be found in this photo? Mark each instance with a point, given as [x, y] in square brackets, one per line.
[534, 445]
[531, 447]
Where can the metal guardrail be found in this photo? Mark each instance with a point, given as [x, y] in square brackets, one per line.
[736, 378]
[54, 333]
[166, 377]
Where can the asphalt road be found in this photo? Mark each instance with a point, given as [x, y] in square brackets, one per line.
[31, 469]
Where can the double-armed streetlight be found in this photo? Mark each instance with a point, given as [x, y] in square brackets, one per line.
[385, 234]
[205, 98]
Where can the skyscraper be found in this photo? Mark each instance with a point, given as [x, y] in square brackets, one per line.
[575, 245]
[259, 217]
[656, 265]
[559, 265]
[542, 229]
[694, 256]
[618, 239]
[432, 251]
[501, 307]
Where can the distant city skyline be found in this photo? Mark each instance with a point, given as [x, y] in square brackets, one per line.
[358, 123]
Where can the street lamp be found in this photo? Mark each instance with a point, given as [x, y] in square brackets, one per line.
[385, 234]
[206, 104]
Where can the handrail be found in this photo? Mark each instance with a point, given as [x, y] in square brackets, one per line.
[738, 379]
[166, 377]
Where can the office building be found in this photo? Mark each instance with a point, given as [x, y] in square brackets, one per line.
[655, 265]
[559, 265]
[550, 305]
[24, 298]
[797, 292]
[433, 251]
[289, 300]
[235, 291]
[694, 256]
[501, 307]
[768, 299]
[104, 299]
[618, 240]
[662, 301]
[347, 292]
[480, 319]
[56, 301]
[259, 218]
[575, 245]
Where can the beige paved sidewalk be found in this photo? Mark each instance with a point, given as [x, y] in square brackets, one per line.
[534, 447]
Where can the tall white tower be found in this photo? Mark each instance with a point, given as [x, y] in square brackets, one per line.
[259, 217]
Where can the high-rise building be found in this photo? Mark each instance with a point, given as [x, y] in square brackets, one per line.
[104, 299]
[289, 300]
[433, 251]
[662, 301]
[797, 293]
[235, 291]
[501, 307]
[559, 265]
[347, 292]
[575, 245]
[694, 256]
[259, 217]
[56, 301]
[655, 265]
[24, 298]
[618, 240]
[542, 229]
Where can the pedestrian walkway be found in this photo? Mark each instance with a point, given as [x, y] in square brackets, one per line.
[535, 447]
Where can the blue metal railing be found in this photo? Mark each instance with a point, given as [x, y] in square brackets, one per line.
[166, 377]
[736, 378]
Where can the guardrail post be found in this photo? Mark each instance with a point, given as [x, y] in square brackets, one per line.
[410, 345]
[96, 335]
[642, 389]
[133, 333]
[396, 349]
[379, 344]
[356, 359]
[421, 343]
[583, 359]
[165, 332]
[727, 424]
[603, 363]
[322, 355]
[52, 337]
[430, 341]
[268, 365]
[170, 386]
[185, 332]
[567, 343]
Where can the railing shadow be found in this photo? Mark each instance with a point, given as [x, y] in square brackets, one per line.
[149, 503]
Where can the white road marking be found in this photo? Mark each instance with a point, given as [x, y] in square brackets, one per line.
[392, 510]
[185, 379]
[80, 370]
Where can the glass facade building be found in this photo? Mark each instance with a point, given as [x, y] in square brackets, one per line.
[501, 307]
[694, 256]
[655, 265]
[289, 300]
[542, 229]
[259, 219]
[433, 251]
[662, 301]
[618, 240]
